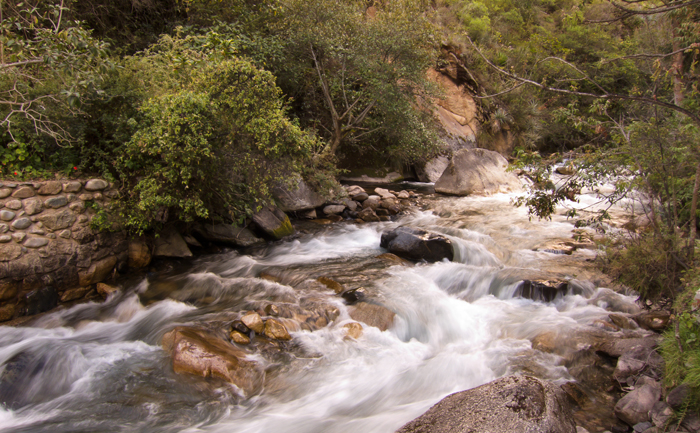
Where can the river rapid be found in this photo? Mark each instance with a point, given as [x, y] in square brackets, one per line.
[99, 367]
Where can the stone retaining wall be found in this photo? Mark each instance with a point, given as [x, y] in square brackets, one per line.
[48, 252]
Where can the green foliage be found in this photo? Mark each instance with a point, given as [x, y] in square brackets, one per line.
[213, 149]
[681, 351]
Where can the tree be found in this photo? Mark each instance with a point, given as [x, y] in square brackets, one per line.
[358, 74]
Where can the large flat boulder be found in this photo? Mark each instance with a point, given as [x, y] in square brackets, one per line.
[477, 171]
[520, 404]
[415, 244]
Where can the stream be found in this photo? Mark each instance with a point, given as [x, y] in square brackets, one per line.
[99, 367]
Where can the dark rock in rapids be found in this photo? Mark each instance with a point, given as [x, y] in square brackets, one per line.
[539, 291]
[354, 295]
[274, 222]
[520, 404]
[416, 244]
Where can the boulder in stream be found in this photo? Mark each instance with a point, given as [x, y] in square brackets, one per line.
[227, 234]
[274, 222]
[296, 196]
[521, 404]
[197, 352]
[415, 244]
[372, 315]
[477, 171]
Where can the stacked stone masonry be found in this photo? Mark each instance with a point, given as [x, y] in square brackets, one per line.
[48, 251]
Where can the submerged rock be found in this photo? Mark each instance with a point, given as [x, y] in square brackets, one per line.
[275, 330]
[520, 404]
[477, 171]
[416, 244]
[199, 353]
[372, 315]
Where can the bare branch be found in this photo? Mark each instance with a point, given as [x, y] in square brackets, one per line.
[499, 93]
[644, 55]
[656, 10]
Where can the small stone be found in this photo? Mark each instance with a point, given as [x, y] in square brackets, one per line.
[75, 293]
[239, 326]
[7, 215]
[642, 426]
[56, 202]
[14, 204]
[111, 194]
[384, 193]
[33, 206]
[4, 228]
[272, 310]
[253, 321]
[72, 186]
[360, 197]
[239, 338]
[9, 184]
[5, 192]
[353, 330]
[77, 207]
[71, 197]
[37, 231]
[97, 196]
[5, 238]
[96, 185]
[51, 235]
[36, 242]
[105, 290]
[82, 219]
[7, 312]
[333, 209]
[65, 234]
[85, 197]
[403, 194]
[275, 330]
[21, 223]
[23, 192]
[19, 237]
[50, 188]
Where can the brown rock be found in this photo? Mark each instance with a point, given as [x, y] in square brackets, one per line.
[654, 321]
[57, 219]
[275, 330]
[139, 253]
[170, 243]
[8, 290]
[97, 271]
[353, 330]
[9, 251]
[372, 315]
[5, 192]
[269, 277]
[50, 187]
[393, 259]
[239, 338]
[274, 222]
[202, 354]
[72, 186]
[253, 321]
[76, 293]
[33, 206]
[23, 192]
[368, 215]
[7, 312]
[105, 289]
[331, 284]
[635, 406]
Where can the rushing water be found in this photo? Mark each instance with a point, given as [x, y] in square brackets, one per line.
[100, 367]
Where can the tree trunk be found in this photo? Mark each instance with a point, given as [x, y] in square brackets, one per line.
[693, 218]
[677, 66]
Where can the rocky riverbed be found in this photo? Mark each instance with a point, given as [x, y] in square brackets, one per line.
[328, 331]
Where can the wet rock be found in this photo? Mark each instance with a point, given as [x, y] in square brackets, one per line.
[372, 315]
[274, 222]
[333, 209]
[253, 321]
[227, 234]
[538, 291]
[510, 404]
[623, 322]
[354, 190]
[139, 253]
[239, 326]
[96, 185]
[368, 215]
[653, 321]
[7, 312]
[105, 289]
[384, 193]
[353, 330]
[7, 291]
[275, 330]
[40, 300]
[372, 202]
[393, 259]
[355, 295]
[476, 171]
[269, 277]
[619, 346]
[272, 310]
[97, 271]
[661, 414]
[403, 195]
[416, 244]
[350, 204]
[239, 338]
[360, 197]
[75, 293]
[611, 301]
[171, 244]
[307, 214]
[297, 197]
[199, 353]
[331, 284]
[635, 406]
